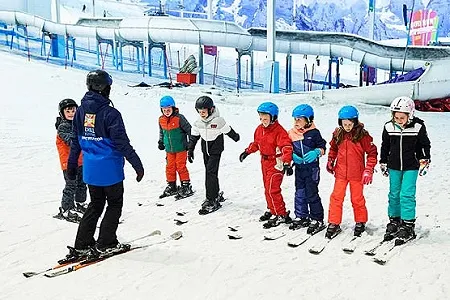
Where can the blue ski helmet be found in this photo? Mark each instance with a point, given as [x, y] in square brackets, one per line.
[348, 112]
[166, 101]
[269, 108]
[305, 111]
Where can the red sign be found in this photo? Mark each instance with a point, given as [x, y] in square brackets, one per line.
[210, 50]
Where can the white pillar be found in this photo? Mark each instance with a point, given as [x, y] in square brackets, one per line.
[57, 10]
[210, 14]
[93, 8]
[371, 19]
[271, 30]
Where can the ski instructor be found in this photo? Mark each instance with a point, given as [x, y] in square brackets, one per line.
[100, 133]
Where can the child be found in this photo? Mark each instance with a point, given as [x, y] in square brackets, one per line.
[308, 147]
[346, 160]
[174, 132]
[405, 153]
[275, 147]
[210, 127]
[74, 190]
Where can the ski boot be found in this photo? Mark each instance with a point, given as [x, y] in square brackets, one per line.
[406, 232]
[332, 230]
[209, 206]
[68, 215]
[75, 255]
[359, 229]
[170, 190]
[298, 223]
[314, 227]
[106, 251]
[274, 221]
[266, 216]
[185, 190]
[80, 207]
[392, 228]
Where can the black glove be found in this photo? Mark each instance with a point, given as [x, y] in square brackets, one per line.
[71, 173]
[191, 156]
[139, 175]
[161, 145]
[243, 156]
[233, 135]
[287, 169]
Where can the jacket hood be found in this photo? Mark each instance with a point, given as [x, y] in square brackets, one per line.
[214, 115]
[92, 102]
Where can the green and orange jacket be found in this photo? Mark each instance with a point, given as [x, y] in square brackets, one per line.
[174, 132]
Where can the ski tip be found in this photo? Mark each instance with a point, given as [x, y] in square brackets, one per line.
[156, 232]
[379, 261]
[234, 237]
[314, 252]
[176, 235]
[29, 274]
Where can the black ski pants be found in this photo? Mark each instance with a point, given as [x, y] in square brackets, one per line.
[113, 194]
[212, 175]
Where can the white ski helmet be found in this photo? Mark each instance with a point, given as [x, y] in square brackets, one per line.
[403, 104]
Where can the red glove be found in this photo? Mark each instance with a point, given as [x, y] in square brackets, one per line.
[367, 177]
[330, 166]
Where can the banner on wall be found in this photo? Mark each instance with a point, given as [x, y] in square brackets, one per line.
[424, 24]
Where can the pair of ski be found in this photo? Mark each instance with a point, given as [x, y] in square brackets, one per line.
[177, 195]
[72, 266]
[385, 250]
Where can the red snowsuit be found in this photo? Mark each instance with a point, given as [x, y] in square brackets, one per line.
[275, 146]
[350, 166]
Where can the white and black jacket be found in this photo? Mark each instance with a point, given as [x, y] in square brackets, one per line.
[211, 130]
[402, 148]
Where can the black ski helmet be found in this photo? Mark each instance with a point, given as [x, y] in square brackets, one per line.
[204, 102]
[99, 81]
[64, 104]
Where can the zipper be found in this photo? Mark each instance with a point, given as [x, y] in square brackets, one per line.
[206, 139]
[303, 154]
[401, 149]
[168, 133]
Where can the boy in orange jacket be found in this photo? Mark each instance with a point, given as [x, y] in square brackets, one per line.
[275, 147]
[346, 160]
[74, 193]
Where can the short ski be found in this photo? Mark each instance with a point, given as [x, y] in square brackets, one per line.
[320, 246]
[271, 236]
[382, 258]
[303, 237]
[91, 261]
[64, 264]
[354, 242]
[179, 197]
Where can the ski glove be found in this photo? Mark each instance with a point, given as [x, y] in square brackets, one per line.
[287, 169]
[384, 170]
[139, 175]
[161, 145]
[424, 166]
[297, 159]
[367, 177]
[191, 156]
[233, 135]
[330, 166]
[243, 156]
[312, 155]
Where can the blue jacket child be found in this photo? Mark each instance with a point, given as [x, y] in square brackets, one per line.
[308, 146]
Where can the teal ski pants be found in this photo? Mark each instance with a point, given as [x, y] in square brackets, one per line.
[402, 194]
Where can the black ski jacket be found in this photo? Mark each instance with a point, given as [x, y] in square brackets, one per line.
[402, 148]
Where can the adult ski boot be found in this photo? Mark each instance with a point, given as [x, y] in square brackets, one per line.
[76, 255]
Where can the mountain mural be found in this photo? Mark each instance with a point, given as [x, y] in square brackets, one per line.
[350, 16]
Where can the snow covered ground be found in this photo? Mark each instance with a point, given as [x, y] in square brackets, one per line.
[204, 264]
